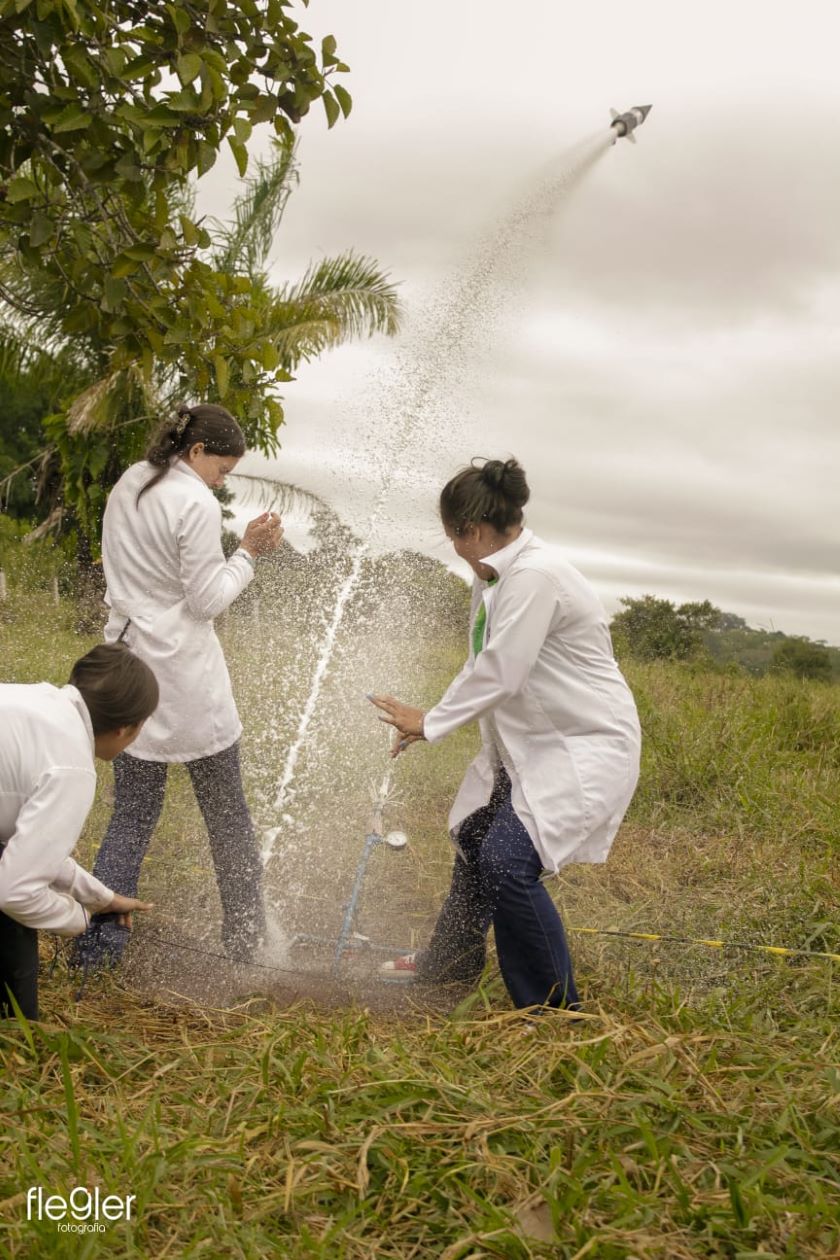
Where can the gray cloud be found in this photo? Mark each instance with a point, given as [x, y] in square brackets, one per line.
[716, 224]
[662, 355]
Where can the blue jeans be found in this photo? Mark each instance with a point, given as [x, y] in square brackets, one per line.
[497, 880]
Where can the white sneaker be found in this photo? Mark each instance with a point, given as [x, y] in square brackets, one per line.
[399, 969]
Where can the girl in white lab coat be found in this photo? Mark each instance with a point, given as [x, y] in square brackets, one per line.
[560, 736]
[167, 580]
[49, 737]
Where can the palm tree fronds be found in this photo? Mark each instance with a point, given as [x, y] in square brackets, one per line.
[124, 394]
[35, 301]
[279, 496]
[91, 409]
[59, 372]
[338, 300]
[182, 199]
[246, 241]
[47, 526]
[353, 286]
[15, 355]
[323, 522]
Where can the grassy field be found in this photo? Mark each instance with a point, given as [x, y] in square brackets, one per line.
[691, 1114]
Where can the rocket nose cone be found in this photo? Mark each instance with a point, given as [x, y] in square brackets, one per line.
[644, 110]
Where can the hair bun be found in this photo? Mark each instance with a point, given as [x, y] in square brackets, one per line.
[493, 473]
[505, 475]
[507, 478]
[491, 490]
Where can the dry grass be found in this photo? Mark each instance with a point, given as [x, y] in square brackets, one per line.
[651, 1129]
[692, 1114]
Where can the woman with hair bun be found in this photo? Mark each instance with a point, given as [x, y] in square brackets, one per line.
[167, 580]
[560, 739]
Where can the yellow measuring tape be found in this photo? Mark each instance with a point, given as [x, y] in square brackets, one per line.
[779, 950]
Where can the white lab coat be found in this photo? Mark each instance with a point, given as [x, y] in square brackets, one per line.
[167, 573]
[552, 706]
[47, 784]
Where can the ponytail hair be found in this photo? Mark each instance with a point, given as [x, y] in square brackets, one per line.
[207, 423]
[492, 490]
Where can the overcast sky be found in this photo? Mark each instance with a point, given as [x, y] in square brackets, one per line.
[662, 352]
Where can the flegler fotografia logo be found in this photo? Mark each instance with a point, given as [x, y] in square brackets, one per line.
[83, 1211]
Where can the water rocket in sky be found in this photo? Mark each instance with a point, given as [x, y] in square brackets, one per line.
[626, 124]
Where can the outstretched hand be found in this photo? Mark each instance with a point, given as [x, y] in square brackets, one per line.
[406, 720]
[122, 907]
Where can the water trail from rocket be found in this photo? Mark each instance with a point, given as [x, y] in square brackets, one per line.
[423, 368]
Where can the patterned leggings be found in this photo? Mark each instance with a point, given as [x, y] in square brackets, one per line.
[217, 783]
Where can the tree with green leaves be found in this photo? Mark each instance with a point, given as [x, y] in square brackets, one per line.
[32, 381]
[103, 423]
[107, 114]
[803, 658]
[649, 628]
[106, 111]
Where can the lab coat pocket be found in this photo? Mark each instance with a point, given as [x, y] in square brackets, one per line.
[172, 629]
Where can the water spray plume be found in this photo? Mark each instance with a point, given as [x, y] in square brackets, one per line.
[425, 367]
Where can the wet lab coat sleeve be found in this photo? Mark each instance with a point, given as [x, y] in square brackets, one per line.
[40, 884]
[210, 582]
[523, 610]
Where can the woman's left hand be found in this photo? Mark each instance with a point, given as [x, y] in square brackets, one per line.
[263, 535]
[407, 720]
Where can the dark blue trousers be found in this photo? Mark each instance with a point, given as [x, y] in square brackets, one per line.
[18, 967]
[498, 881]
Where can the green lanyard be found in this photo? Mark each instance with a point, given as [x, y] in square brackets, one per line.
[480, 624]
